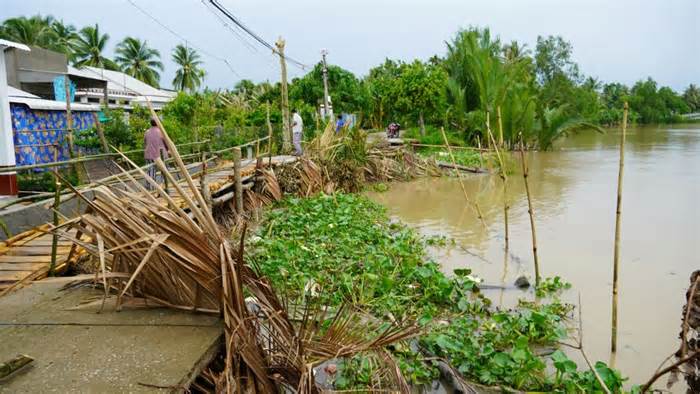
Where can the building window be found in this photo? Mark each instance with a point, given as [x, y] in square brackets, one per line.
[94, 100]
[112, 101]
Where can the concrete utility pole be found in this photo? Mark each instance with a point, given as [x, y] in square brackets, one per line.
[326, 111]
[286, 126]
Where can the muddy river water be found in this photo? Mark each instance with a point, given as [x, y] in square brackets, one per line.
[574, 190]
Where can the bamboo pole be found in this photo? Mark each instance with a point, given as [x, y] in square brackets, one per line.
[475, 205]
[618, 214]
[530, 212]
[500, 126]
[237, 180]
[501, 174]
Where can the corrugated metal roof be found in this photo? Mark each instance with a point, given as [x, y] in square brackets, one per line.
[18, 96]
[13, 44]
[117, 80]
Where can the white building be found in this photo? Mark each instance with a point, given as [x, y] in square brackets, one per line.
[123, 91]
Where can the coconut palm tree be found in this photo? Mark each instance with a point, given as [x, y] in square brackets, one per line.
[138, 60]
[514, 51]
[65, 38]
[34, 31]
[189, 76]
[89, 47]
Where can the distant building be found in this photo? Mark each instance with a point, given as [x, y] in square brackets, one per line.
[36, 72]
[123, 91]
[33, 96]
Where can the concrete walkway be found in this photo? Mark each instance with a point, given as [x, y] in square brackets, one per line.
[77, 349]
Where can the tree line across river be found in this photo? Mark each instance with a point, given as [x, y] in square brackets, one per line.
[534, 95]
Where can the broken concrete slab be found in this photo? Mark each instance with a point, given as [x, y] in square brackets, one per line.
[80, 350]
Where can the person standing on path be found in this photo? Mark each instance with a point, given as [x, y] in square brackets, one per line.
[297, 132]
[154, 147]
[339, 124]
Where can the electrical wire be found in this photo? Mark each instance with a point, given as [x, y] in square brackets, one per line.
[254, 35]
[186, 41]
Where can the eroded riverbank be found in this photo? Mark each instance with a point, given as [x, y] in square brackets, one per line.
[574, 195]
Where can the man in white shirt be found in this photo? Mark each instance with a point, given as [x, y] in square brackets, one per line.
[297, 130]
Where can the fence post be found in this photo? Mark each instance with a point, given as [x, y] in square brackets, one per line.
[269, 136]
[237, 179]
[203, 184]
[56, 206]
[249, 152]
[69, 128]
[100, 133]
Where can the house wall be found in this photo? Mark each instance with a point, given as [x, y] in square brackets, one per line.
[36, 131]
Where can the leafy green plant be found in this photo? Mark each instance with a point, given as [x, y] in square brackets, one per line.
[551, 286]
[347, 247]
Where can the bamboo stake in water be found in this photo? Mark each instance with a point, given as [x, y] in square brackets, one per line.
[502, 173]
[461, 183]
[530, 211]
[618, 213]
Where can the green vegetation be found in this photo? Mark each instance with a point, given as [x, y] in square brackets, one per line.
[344, 249]
[541, 93]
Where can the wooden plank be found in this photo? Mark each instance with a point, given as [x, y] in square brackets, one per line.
[21, 266]
[47, 242]
[28, 259]
[34, 250]
[13, 276]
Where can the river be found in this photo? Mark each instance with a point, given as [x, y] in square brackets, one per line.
[574, 192]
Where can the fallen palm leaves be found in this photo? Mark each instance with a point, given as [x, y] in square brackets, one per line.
[344, 161]
[179, 257]
[688, 355]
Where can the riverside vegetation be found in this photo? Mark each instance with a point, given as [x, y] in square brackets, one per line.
[539, 93]
[343, 249]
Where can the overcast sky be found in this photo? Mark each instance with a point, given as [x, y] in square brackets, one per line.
[614, 40]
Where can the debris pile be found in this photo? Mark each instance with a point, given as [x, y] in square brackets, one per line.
[153, 251]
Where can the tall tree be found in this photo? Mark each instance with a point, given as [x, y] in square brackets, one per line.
[65, 37]
[553, 60]
[89, 47]
[692, 97]
[421, 90]
[345, 89]
[189, 74]
[381, 93]
[33, 31]
[135, 58]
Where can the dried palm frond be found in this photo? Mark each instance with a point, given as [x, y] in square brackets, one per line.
[176, 255]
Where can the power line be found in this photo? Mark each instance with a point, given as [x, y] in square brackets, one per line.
[186, 41]
[268, 61]
[227, 26]
[254, 35]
